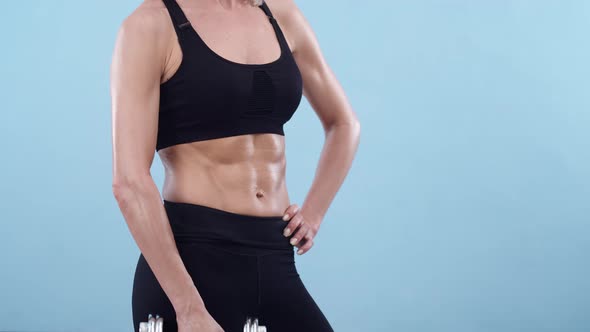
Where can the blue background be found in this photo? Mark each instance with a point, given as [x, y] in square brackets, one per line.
[466, 209]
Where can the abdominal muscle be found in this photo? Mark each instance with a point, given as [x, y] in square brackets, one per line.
[242, 174]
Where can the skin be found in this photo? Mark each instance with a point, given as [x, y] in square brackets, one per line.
[242, 174]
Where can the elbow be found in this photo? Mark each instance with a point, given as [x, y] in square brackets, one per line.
[356, 128]
[125, 188]
[356, 132]
[347, 121]
[353, 128]
[120, 190]
[351, 125]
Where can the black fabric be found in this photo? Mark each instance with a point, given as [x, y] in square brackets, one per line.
[242, 266]
[210, 96]
[178, 18]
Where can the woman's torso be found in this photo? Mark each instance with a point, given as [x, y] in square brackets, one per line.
[241, 174]
[236, 172]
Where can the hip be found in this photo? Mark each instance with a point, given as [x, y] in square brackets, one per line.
[199, 226]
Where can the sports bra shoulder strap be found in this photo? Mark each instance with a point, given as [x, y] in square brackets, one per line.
[275, 25]
[178, 17]
[266, 10]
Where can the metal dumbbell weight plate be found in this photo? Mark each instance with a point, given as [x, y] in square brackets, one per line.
[252, 325]
[156, 324]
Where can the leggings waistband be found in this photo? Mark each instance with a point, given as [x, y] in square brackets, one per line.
[194, 223]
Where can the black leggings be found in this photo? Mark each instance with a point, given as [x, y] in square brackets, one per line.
[242, 266]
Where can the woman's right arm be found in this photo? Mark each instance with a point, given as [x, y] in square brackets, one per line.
[138, 60]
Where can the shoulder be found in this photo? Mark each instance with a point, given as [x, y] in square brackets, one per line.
[295, 26]
[283, 10]
[292, 21]
[149, 23]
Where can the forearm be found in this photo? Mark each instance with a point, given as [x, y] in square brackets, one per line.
[336, 158]
[149, 225]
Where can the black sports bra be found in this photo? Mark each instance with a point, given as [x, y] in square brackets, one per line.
[212, 97]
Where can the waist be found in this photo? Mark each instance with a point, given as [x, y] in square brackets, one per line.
[194, 223]
[245, 172]
[253, 189]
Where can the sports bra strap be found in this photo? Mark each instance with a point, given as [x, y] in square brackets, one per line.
[178, 17]
[181, 22]
[267, 11]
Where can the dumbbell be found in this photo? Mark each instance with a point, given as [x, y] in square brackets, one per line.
[251, 325]
[156, 324]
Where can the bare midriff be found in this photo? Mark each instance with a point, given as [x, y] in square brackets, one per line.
[242, 174]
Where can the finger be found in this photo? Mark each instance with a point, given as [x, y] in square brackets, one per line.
[290, 212]
[293, 224]
[299, 233]
[306, 238]
[305, 248]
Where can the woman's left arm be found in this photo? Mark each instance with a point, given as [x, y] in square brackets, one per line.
[341, 125]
